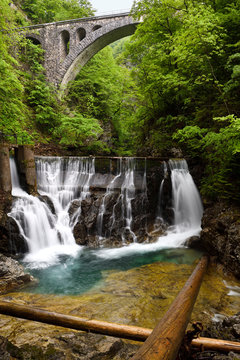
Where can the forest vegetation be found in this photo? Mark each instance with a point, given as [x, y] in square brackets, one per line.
[174, 83]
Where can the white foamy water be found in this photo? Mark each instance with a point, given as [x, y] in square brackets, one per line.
[168, 241]
[187, 204]
[233, 290]
[102, 209]
[47, 229]
[49, 256]
[188, 211]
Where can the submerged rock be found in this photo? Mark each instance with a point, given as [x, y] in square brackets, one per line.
[12, 275]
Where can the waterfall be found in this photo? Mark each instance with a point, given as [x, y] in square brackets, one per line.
[159, 219]
[33, 217]
[187, 208]
[64, 180]
[187, 205]
[102, 209]
[127, 195]
[47, 228]
[47, 223]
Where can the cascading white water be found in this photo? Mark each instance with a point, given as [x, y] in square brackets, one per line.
[187, 204]
[33, 217]
[144, 184]
[126, 197]
[102, 209]
[64, 180]
[48, 232]
[159, 218]
[188, 210]
[47, 227]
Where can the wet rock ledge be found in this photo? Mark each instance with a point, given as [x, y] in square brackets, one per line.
[12, 275]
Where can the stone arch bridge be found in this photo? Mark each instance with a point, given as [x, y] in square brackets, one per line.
[70, 44]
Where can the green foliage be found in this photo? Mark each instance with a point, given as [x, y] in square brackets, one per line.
[186, 63]
[32, 55]
[77, 130]
[220, 149]
[13, 112]
[104, 90]
[39, 96]
[41, 11]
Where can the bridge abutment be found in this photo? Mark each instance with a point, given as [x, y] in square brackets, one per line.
[26, 166]
[5, 172]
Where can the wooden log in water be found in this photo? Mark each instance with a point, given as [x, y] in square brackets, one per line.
[166, 338]
[105, 328]
[74, 322]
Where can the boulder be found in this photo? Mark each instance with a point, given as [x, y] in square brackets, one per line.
[12, 275]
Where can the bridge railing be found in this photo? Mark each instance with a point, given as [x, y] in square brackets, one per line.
[95, 17]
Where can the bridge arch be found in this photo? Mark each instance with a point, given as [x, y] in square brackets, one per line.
[36, 40]
[70, 44]
[92, 48]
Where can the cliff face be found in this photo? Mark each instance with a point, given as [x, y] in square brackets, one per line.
[5, 206]
[113, 226]
[221, 235]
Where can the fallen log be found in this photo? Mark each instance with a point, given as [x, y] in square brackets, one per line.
[74, 322]
[102, 327]
[166, 338]
[216, 344]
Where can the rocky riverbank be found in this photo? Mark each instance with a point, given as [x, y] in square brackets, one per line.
[226, 329]
[220, 235]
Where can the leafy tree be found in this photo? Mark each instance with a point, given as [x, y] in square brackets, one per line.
[39, 95]
[103, 90]
[13, 112]
[221, 152]
[186, 64]
[41, 11]
[77, 130]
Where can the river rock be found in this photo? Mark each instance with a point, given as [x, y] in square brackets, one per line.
[221, 233]
[226, 329]
[12, 275]
[76, 346]
[194, 242]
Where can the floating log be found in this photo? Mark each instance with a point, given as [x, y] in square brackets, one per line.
[74, 322]
[216, 344]
[166, 338]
